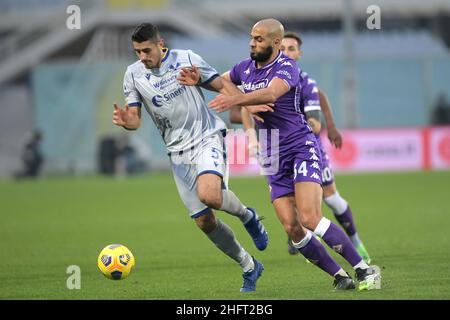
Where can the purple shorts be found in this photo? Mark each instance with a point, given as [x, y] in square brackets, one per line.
[327, 171]
[302, 163]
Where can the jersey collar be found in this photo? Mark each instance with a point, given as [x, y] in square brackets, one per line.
[270, 64]
[165, 54]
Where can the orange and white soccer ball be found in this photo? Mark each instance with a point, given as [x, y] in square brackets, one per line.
[115, 261]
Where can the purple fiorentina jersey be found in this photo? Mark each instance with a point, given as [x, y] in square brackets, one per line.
[298, 158]
[310, 101]
[287, 117]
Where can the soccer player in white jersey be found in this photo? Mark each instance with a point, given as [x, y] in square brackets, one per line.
[194, 138]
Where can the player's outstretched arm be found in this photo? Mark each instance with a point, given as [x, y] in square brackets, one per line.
[126, 117]
[276, 88]
[334, 135]
[249, 126]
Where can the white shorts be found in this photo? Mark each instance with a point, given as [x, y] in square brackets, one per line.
[208, 157]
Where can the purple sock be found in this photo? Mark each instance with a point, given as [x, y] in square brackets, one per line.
[337, 240]
[346, 221]
[315, 252]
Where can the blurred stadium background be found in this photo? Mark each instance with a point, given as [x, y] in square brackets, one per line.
[389, 90]
[63, 82]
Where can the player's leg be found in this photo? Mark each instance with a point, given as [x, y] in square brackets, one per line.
[305, 242]
[223, 237]
[213, 190]
[218, 232]
[344, 216]
[308, 197]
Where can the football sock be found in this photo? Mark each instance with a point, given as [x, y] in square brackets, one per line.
[343, 215]
[223, 237]
[315, 252]
[232, 205]
[337, 240]
[361, 265]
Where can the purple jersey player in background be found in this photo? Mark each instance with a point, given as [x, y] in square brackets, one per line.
[271, 77]
[313, 100]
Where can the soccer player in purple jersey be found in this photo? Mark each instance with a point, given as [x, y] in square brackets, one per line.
[314, 100]
[270, 77]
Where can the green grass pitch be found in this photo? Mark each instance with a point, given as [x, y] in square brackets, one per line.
[49, 224]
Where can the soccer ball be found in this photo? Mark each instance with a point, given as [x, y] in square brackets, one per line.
[115, 261]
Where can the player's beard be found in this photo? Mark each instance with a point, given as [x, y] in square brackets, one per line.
[262, 56]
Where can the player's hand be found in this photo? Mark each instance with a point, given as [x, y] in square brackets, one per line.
[335, 137]
[222, 103]
[121, 115]
[255, 110]
[189, 76]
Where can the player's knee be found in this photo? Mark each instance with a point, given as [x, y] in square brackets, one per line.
[294, 230]
[210, 198]
[310, 218]
[206, 222]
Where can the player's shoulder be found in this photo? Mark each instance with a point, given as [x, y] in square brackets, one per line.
[185, 57]
[306, 78]
[244, 65]
[135, 67]
[285, 61]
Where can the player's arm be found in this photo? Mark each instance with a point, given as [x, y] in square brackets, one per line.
[276, 88]
[223, 85]
[127, 117]
[313, 118]
[249, 126]
[334, 135]
[235, 115]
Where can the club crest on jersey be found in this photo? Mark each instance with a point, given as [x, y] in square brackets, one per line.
[147, 76]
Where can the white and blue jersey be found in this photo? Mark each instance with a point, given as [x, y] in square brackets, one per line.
[192, 133]
[179, 112]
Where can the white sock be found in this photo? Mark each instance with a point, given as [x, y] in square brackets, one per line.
[322, 227]
[361, 265]
[304, 241]
[341, 272]
[232, 205]
[355, 239]
[336, 203]
[246, 262]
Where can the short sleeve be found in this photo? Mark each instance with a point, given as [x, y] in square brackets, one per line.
[132, 96]
[207, 73]
[235, 75]
[288, 71]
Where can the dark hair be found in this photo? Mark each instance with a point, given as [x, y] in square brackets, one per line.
[295, 36]
[146, 31]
